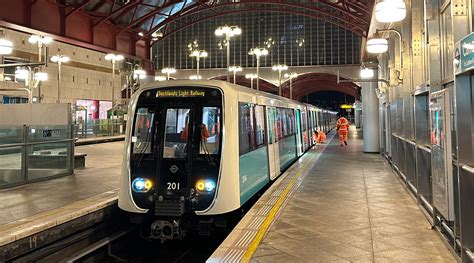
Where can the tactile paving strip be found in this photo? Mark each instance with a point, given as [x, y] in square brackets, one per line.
[236, 246]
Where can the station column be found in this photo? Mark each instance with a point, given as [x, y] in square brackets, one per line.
[370, 113]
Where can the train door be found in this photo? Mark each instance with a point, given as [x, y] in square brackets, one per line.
[304, 129]
[273, 151]
[174, 162]
[299, 135]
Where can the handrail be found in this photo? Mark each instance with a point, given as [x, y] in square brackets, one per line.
[33, 143]
[404, 139]
[468, 169]
[424, 148]
[470, 254]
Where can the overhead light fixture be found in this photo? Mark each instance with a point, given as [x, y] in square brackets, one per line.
[6, 46]
[21, 73]
[160, 78]
[377, 45]
[258, 52]
[59, 58]
[388, 11]
[235, 68]
[168, 70]
[280, 67]
[114, 57]
[366, 73]
[199, 53]
[33, 39]
[250, 76]
[195, 77]
[291, 75]
[139, 73]
[140, 34]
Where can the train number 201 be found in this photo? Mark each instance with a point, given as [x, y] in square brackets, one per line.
[173, 186]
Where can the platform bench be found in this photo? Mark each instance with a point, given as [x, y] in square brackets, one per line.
[79, 160]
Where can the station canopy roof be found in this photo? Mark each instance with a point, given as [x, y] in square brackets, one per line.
[152, 18]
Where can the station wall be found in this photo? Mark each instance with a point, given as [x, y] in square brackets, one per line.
[427, 114]
[86, 76]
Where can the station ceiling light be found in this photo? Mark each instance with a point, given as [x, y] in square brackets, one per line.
[250, 76]
[229, 31]
[59, 58]
[113, 57]
[195, 77]
[168, 70]
[33, 39]
[235, 68]
[366, 73]
[199, 53]
[139, 73]
[388, 11]
[6, 46]
[377, 45]
[258, 52]
[291, 75]
[21, 73]
[280, 67]
[160, 78]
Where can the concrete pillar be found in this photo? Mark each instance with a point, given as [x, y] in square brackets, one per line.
[370, 110]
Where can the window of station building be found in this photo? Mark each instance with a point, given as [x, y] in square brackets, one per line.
[282, 34]
[142, 132]
[176, 133]
[210, 130]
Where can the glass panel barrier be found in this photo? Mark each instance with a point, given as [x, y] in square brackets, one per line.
[10, 165]
[50, 159]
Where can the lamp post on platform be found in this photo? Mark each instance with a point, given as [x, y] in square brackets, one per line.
[258, 52]
[228, 32]
[60, 59]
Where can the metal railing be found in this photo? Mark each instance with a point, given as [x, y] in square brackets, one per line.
[99, 128]
[33, 153]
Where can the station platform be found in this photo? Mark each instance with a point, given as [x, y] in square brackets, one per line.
[32, 208]
[335, 204]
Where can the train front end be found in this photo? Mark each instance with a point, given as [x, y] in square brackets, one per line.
[172, 160]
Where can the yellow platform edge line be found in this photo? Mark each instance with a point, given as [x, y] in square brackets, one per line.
[271, 216]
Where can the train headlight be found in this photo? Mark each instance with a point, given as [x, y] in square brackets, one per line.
[210, 185]
[205, 186]
[142, 185]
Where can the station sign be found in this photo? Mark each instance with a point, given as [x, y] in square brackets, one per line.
[182, 93]
[464, 54]
[346, 106]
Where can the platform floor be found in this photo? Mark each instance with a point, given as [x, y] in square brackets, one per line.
[100, 175]
[351, 207]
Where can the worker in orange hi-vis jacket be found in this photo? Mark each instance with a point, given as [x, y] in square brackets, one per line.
[342, 126]
[321, 137]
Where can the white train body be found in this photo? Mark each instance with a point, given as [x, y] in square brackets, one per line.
[204, 148]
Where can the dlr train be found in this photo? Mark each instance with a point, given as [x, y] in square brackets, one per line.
[197, 150]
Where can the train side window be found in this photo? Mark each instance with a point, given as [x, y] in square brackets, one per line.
[176, 133]
[142, 132]
[210, 130]
[272, 126]
[259, 125]
[246, 128]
